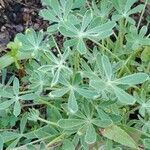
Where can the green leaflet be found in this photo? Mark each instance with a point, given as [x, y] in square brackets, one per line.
[16, 86]
[133, 79]
[90, 136]
[107, 67]
[146, 143]
[124, 97]
[23, 123]
[81, 47]
[118, 135]
[102, 123]
[87, 93]
[49, 15]
[5, 94]
[4, 105]
[14, 143]
[32, 41]
[28, 96]
[70, 123]
[59, 92]
[98, 85]
[56, 77]
[9, 136]
[72, 103]
[67, 8]
[87, 18]
[17, 108]
[56, 7]
[1, 142]
[68, 145]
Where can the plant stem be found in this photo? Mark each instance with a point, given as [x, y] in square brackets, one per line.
[47, 122]
[126, 62]
[76, 61]
[121, 35]
[141, 16]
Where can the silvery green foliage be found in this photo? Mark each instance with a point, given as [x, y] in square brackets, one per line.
[125, 10]
[81, 93]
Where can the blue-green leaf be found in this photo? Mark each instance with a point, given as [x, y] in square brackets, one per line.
[81, 47]
[70, 123]
[17, 108]
[4, 105]
[133, 79]
[123, 97]
[117, 134]
[72, 103]
[90, 136]
[107, 67]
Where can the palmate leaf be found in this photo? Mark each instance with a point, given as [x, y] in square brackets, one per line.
[105, 83]
[73, 89]
[58, 12]
[124, 10]
[14, 97]
[85, 31]
[103, 10]
[57, 66]
[32, 42]
[137, 38]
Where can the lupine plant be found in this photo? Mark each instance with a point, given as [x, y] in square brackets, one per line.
[91, 92]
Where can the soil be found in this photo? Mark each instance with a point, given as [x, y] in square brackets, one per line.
[16, 16]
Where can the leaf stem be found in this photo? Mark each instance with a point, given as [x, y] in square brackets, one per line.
[141, 16]
[56, 45]
[47, 122]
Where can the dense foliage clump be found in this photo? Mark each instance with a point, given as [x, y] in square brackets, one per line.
[91, 91]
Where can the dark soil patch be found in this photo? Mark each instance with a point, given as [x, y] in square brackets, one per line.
[16, 16]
